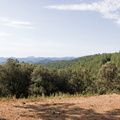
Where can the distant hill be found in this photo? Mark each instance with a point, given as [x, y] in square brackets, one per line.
[87, 61]
[36, 60]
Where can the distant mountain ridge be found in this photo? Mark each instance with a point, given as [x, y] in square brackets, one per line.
[36, 60]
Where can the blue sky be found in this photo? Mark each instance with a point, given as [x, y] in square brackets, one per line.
[59, 28]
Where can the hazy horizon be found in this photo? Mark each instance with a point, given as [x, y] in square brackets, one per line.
[56, 56]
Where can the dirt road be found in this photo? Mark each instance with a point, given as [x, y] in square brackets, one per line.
[104, 107]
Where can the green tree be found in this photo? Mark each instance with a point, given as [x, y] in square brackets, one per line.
[15, 78]
[3, 83]
[80, 81]
[25, 76]
[62, 81]
[42, 81]
[107, 77]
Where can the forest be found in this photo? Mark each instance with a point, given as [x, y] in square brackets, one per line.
[93, 74]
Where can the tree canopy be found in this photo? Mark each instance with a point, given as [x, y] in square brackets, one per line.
[92, 74]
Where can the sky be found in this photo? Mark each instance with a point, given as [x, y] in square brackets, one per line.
[59, 28]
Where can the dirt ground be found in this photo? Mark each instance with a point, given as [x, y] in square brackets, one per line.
[103, 107]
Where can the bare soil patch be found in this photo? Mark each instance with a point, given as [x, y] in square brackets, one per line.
[103, 107]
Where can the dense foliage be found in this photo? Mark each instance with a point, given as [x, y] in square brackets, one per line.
[91, 74]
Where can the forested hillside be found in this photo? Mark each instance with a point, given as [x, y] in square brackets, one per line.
[92, 74]
[97, 59]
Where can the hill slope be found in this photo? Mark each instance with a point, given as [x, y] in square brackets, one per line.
[87, 61]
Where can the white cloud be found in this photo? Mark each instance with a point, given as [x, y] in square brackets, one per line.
[17, 24]
[4, 19]
[109, 9]
[4, 34]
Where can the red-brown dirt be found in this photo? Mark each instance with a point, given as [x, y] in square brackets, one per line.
[103, 107]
